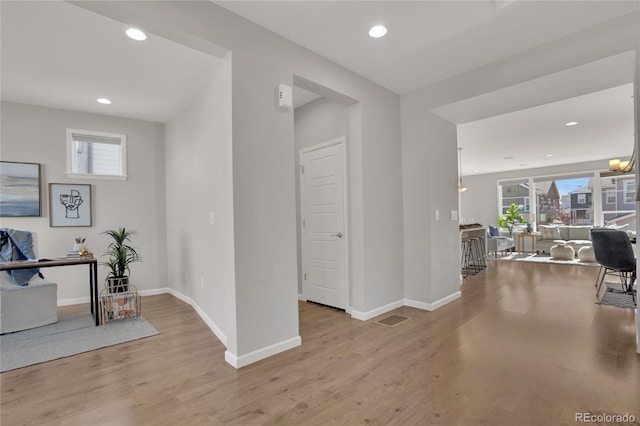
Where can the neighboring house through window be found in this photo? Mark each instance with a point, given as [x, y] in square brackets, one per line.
[629, 192]
[610, 196]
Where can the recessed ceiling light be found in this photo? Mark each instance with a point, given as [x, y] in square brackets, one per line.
[136, 34]
[104, 101]
[476, 171]
[549, 155]
[378, 31]
[571, 123]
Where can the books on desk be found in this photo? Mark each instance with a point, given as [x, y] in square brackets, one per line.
[76, 255]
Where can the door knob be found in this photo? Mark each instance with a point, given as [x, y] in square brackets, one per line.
[339, 235]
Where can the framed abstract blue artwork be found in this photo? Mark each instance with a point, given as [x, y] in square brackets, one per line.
[19, 189]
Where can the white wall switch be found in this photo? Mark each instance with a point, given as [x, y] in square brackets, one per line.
[437, 214]
[454, 215]
[212, 217]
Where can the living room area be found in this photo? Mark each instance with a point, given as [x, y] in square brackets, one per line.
[542, 178]
[550, 164]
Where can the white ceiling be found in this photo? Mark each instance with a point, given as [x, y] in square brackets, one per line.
[427, 41]
[605, 130]
[60, 55]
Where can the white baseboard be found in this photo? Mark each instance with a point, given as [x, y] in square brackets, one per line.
[76, 301]
[364, 316]
[301, 298]
[81, 300]
[262, 353]
[219, 334]
[432, 306]
[154, 291]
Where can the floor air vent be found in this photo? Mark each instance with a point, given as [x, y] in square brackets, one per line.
[392, 320]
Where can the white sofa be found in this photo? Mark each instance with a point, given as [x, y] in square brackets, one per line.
[576, 236]
[24, 307]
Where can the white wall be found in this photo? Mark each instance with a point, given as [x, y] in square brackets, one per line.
[480, 201]
[199, 182]
[316, 122]
[431, 247]
[264, 169]
[38, 135]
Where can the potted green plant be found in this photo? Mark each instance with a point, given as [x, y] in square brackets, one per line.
[511, 218]
[121, 254]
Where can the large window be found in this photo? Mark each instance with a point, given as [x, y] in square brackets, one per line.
[515, 193]
[563, 199]
[576, 199]
[96, 154]
[619, 201]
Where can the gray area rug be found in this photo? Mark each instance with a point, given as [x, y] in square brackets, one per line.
[541, 258]
[613, 297]
[72, 334]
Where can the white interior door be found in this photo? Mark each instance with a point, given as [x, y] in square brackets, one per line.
[323, 239]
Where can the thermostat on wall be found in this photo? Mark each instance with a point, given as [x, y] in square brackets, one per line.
[285, 96]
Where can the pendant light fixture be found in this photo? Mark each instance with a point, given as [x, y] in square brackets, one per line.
[618, 166]
[461, 188]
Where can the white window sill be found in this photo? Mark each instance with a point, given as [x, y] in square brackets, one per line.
[98, 177]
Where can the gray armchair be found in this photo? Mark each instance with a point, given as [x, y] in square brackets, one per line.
[498, 243]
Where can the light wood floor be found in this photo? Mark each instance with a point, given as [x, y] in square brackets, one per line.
[525, 345]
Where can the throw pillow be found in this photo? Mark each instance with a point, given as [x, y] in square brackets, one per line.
[493, 231]
[549, 232]
[579, 232]
[17, 245]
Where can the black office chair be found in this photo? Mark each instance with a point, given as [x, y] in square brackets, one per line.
[613, 251]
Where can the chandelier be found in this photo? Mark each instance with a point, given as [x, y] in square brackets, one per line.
[619, 166]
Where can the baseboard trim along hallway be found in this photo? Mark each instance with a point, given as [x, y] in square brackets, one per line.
[262, 353]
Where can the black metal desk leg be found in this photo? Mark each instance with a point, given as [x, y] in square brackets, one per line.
[93, 282]
[91, 298]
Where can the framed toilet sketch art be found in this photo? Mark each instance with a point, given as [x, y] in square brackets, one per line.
[69, 204]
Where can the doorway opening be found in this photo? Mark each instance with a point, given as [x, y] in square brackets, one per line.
[324, 123]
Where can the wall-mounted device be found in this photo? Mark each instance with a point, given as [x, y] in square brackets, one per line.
[285, 96]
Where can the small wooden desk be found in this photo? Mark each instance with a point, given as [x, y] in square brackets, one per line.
[49, 263]
[524, 235]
